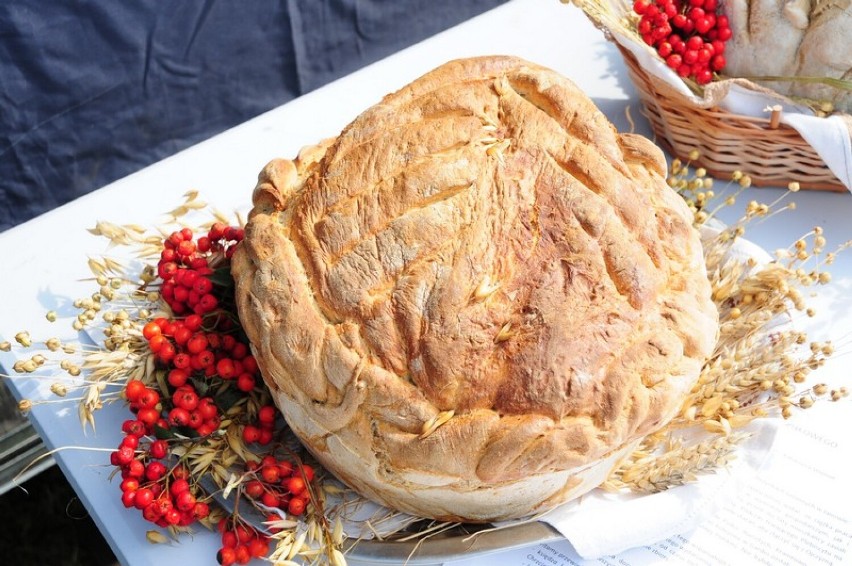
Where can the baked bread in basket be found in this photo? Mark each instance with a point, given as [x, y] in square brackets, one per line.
[478, 297]
[801, 42]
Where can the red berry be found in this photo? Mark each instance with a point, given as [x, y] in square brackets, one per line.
[196, 344]
[717, 63]
[244, 533]
[296, 506]
[703, 77]
[135, 469]
[144, 497]
[249, 364]
[155, 470]
[179, 486]
[166, 352]
[694, 43]
[266, 414]
[178, 377]
[186, 248]
[124, 455]
[254, 489]
[150, 330]
[152, 512]
[134, 427]
[201, 510]
[258, 548]
[245, 382]
[180, 472]
[182, 360]
[703, 25]
[270, 473]
[295, 485]
[193, 322]
[205, 429]
[229, 539]
[130, 484]
[159, 449]
[308, 472]
[185, 501]
[226, 556]
[208, 302]
[178, 417]
[156, 342]
[225, 368]
[186, 398]
[251, 434]
[674, 60]
[285, 469]
[167, 270]
[203, 244]
[207, 408]
[148, 416]
[134, 387]
[243, 555]
[149, 398]
[202, 286]
[172, 516]
[128, 498]
[217, 231]
[639, 6]
[196, 421]
[182, 335]
[265, 436]
[270, 499]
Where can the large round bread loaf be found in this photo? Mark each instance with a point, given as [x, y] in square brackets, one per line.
[478, 297]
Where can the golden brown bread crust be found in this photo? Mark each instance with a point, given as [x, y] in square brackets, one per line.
[480, 241]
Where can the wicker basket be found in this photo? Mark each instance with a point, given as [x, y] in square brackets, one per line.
[772, 154]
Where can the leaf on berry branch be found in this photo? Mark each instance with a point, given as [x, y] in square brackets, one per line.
[222, 278]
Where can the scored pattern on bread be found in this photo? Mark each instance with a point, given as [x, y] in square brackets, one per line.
[480, 244]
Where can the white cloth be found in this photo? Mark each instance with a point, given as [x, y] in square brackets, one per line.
[603, 524]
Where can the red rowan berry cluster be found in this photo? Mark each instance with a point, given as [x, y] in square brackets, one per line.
[689, 35]
[185, 267]
[240, 543]
[164, 495]
[280, 483]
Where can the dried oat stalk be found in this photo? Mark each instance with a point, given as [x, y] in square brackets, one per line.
[761, 364]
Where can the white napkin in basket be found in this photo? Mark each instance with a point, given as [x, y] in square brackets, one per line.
[829, 137]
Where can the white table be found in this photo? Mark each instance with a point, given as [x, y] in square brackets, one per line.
[43, 259]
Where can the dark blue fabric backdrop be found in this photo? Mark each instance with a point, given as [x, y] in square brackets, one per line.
[91, 91]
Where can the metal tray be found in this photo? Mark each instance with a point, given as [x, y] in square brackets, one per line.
[464, 541]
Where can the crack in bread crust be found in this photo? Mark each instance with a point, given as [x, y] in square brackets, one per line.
[360, 281]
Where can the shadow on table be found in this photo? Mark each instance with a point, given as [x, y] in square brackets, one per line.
[45, 523]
